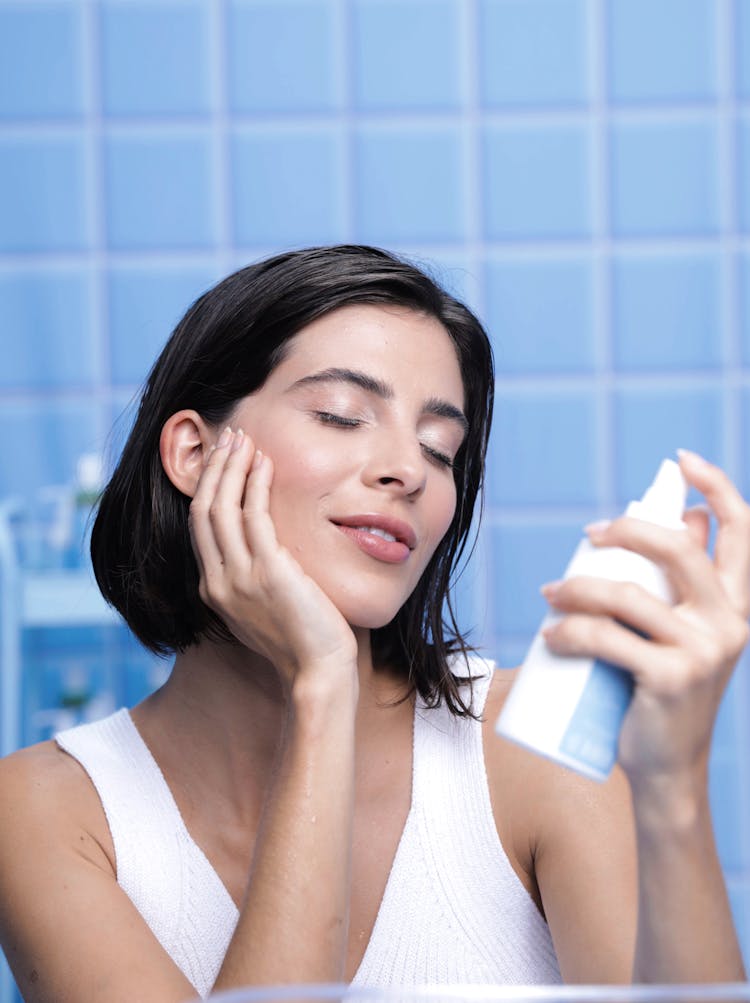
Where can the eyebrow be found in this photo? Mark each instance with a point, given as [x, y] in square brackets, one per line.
[433, 405]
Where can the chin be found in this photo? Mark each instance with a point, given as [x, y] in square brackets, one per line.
[366, 614]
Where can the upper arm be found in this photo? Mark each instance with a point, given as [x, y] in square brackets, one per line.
[572, 841]
[586, 869]
[68, 930]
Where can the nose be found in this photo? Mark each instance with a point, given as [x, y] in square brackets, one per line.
[397, 464]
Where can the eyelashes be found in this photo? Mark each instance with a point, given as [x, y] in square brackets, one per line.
[339, 421]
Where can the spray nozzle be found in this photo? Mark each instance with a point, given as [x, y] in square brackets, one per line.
[666, 496]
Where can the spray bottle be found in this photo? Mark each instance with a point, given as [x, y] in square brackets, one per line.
[571, 708]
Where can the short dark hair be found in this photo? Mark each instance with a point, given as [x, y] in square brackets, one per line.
[223, 349]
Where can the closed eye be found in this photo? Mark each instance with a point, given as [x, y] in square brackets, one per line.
[438, 457]
[327, 418]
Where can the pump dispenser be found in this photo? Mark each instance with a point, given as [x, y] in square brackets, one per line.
[569, 708]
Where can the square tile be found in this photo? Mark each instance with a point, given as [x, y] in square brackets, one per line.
[662, 51]
[743, 173]
[652, 422]
[41, 60]
[536, 182]
[742, 47]
[144, 306]
[407, 54]
[664, 178]
[666, 311]
[159, 190]
[534, 53]
[540, 314]
[155, 57]
[42, 442]
[287, 186]
[47, 321]
[744, 304]
[283, 56]
[43, 193]
[542, 450]
[409, 184]
[523, 556]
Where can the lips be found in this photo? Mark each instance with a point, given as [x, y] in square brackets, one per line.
[397, 530]
[388, 540]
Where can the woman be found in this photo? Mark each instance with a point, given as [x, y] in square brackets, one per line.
[316, 793]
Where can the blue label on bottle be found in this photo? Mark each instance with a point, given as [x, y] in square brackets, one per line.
[593, 731]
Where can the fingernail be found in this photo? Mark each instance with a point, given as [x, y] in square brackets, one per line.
[594, 529]
[239, 437]
[550, 591]
[224, 438]
[257, 460]
[691, 457]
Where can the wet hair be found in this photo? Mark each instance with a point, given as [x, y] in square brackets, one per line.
[221, 351]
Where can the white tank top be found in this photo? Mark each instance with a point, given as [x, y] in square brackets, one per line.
[454, 911]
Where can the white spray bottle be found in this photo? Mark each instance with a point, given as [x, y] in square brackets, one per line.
[569, 708]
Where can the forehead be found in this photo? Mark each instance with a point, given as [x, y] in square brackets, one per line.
[392, 343]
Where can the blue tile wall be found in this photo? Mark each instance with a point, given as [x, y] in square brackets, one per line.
[577, 170]
[666, 312]
[48, 322]
[742, 48]
[664, 177]
[652, 421]
[540, 314]
[159, 190]
[392, 37]
[48, 37]
[410, 184]
[537, 182]
[534, 53]
[663, 51]
[543, 448]
[154, 58]
[283, 57]
[287, 186]
[44, 191]
[743, 143]
[143, 309]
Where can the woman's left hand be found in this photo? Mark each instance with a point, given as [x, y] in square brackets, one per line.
[683, 663]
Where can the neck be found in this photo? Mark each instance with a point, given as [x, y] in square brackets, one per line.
[220, 716]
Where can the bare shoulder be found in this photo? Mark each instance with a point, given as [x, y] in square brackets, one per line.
[572, 843]
[47, 795]
[543, 791]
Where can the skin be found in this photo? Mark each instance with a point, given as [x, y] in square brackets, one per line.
[289, 756]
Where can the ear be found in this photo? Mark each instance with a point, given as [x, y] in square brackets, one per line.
[183, 445]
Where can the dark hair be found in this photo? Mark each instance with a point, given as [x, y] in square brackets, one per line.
[224, 349]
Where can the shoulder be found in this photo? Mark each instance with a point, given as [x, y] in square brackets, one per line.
[572, 842]
[48, 798]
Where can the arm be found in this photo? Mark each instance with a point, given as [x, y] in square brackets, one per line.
[293, 925]
[69, 931]
[684, 926]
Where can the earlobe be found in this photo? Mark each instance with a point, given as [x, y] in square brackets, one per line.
[184, 442]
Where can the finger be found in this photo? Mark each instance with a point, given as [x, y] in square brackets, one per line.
[258, 524]
[625, 602]
[732, 547]
[605, 640]
[698, 522]
[688, 567]
[225, 511]
[204, 541]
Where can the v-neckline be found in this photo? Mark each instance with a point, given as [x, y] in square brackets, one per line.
[216, 877]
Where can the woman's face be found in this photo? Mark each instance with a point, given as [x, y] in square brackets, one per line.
[362, 420]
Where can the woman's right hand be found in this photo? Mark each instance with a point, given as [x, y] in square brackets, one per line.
[249, 579]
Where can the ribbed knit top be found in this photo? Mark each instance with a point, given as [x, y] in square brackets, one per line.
[454, 911]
